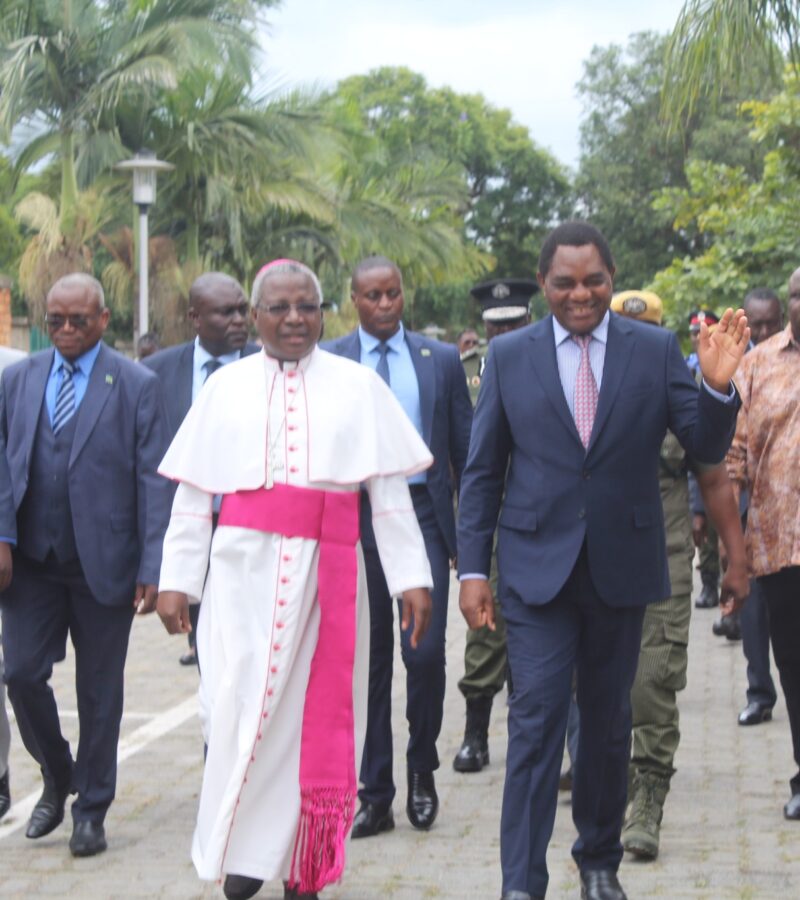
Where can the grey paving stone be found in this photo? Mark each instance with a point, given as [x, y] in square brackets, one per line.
[723, 835]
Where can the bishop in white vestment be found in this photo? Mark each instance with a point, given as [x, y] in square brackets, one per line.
[268, 433]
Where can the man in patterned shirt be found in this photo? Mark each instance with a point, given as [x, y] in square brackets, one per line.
[765, 458]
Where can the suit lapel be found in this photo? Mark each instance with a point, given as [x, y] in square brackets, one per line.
[426, 382]
[618, 356]
[35, 385]
[101, 384]
[545, 364]
[352, 347]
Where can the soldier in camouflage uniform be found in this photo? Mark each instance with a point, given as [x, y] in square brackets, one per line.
[505, 305]
[663, 659]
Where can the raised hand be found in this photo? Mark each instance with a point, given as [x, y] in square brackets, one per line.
[720, 352]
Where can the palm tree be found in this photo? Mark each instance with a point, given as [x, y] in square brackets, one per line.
[66, 65]
[234, 156]
[712, 40]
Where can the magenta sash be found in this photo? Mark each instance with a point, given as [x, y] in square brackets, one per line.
[327, 753]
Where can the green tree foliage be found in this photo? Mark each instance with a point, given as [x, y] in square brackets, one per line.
[628, 155]
[715, 42]
[65, 65]
[512, 190]
[749, 222]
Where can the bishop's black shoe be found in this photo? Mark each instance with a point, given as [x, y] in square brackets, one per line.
[240, 887]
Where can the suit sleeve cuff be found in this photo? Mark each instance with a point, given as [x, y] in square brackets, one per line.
[723, 398]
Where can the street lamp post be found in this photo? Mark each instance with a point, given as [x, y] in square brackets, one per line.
[144, 166]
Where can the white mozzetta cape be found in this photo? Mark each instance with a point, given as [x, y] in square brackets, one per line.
[356, 427]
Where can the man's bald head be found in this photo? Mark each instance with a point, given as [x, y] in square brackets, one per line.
[218, 310]
[78, 280]
[369, 264]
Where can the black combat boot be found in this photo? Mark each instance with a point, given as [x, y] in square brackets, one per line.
[474, 752]
[709, 595]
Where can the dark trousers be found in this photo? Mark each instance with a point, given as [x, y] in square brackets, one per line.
[45, 602]
[754, 620]
[425, 666]
[782, 593]
[575, 630]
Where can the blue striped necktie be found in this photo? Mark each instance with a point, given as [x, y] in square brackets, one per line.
[65, 398]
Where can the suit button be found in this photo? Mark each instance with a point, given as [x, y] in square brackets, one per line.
[582, 514]
[586, 474]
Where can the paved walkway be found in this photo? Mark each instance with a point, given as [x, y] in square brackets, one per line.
[724, 835]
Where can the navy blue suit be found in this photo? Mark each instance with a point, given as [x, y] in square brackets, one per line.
[581, 551]
[81, 548]
[446, 414]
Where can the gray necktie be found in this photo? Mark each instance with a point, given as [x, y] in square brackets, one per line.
[383, 362]
[210, 366]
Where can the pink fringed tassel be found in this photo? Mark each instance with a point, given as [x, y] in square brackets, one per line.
[326, 817]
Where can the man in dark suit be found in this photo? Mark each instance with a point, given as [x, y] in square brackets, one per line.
[219, 312]
[81, 432]
[427, 378]
[567, 431]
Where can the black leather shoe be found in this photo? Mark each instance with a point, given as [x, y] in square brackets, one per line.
[601, 884]
[792, 809]
[423, 802]
[48, 813]
[370, 820]
[5, 795]
[88, 839]
[519, 895]
[291, 894]
[728, 627]
[189, 659]
[708, 597]
[755, 713]
[240, 887]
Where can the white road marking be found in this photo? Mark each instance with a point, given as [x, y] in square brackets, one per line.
[156, 728]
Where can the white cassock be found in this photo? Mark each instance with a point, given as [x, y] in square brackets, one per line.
[325, 423]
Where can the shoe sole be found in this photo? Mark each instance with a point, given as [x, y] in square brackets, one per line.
[640, 851]
[82, 852]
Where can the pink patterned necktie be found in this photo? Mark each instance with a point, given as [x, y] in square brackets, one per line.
[585, 391]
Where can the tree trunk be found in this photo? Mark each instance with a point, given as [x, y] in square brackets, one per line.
[69, 184]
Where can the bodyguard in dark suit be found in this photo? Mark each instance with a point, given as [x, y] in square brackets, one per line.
[427, 378]
[566, 438]
[219, 312]
[82, 430]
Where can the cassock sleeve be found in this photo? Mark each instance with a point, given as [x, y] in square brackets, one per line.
[184, 561]
[397, 534]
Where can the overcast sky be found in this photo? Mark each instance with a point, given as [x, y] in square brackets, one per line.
[525, 55]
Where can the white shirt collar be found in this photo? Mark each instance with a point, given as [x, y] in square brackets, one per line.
[599, 334]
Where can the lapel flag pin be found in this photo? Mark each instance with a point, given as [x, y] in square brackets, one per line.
[109, 379]
[425, 351]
